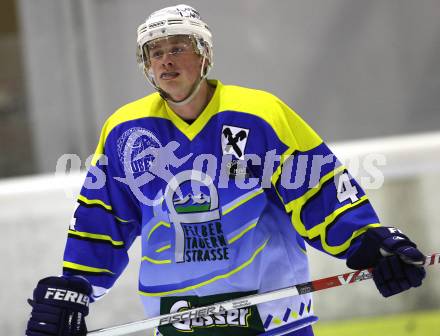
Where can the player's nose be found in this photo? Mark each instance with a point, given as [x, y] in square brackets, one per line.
[167, 60]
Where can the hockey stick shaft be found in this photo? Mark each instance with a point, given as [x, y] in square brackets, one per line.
[246, 301]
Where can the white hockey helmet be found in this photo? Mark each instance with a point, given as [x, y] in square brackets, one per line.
[175, 20]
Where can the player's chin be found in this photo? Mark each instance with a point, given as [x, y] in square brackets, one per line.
[176, 94]
[171, 87]
[177, 98]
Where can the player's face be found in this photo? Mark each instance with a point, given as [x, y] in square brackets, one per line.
[175, 65]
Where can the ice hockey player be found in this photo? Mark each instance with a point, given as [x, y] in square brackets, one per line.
[225, 185]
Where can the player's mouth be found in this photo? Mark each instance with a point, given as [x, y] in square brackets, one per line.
[169, 75]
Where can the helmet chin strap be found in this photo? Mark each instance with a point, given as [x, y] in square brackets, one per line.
[194, 90]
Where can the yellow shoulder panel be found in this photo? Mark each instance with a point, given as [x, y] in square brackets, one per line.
[287, 124]
[290, 128]
[151, 105]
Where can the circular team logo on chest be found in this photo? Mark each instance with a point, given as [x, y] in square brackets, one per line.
[137, 149]
[144, 159]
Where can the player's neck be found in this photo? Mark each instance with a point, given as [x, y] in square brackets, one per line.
[190, 112]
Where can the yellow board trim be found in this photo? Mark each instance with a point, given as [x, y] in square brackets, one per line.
[85, 268]
[97, 237]
[207, 282]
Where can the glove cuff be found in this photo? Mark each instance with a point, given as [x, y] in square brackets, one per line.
[64, 292]
[368, 254]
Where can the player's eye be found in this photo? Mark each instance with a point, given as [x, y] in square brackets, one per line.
[157, 54]
[177, 50]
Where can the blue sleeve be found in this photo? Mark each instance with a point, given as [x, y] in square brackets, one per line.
[328, 208]
[105, 224]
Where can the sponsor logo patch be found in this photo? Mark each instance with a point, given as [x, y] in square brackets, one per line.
[66, 295]
[234, 140]
[239, 321]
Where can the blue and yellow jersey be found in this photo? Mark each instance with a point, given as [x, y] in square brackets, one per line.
[223, 206]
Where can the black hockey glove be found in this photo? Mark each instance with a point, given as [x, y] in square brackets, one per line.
[396, 261]
[59, 306]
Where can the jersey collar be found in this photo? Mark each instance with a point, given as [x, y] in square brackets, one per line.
[191, 130]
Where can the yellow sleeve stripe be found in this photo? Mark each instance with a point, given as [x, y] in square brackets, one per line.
[296, 205]
[85, 268]
[94, 202]
[334, 250]
[119, 219]
[277, 173]
[239, 235]
[207, 282]
[154, 228]
[231, 206]
[163, 248]
[319, 230]
[95, 236]
[107, 207]
[154, 261]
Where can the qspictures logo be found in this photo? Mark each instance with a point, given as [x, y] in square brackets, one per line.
[144, 158]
